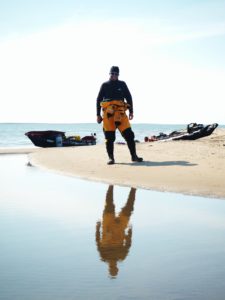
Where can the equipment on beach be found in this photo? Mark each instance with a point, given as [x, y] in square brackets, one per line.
[54, 138]
[193, 131]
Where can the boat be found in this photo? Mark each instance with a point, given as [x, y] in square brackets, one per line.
[193, 131]
[200, 132]
[54, 138]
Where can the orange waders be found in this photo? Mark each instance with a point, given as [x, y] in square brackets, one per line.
[114, 116]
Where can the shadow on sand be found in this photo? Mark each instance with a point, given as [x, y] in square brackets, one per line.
[160, 163]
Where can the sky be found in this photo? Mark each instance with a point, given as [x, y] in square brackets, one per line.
[54, 56]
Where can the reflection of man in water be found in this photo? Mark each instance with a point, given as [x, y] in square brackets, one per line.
[114, 240]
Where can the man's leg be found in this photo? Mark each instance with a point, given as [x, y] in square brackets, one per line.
[109, 129]
[109, 205]
[110, 137]
[129, 207]
[128, 135]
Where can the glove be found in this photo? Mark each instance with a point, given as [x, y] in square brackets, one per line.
[99, 119]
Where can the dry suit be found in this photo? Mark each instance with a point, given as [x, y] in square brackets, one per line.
[111, 99]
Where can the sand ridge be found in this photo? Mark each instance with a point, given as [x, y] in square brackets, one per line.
[189, 167]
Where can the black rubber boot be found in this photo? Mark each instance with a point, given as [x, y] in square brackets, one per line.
[129, 137]
[136, 158]
[110, 138]
[132, 148]
[111, 160]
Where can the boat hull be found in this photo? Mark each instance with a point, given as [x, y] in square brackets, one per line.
[53, 138]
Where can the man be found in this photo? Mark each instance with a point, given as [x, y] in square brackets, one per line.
[114, 233]
[111, 99]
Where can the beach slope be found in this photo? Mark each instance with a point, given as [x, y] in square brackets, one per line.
[189, 167]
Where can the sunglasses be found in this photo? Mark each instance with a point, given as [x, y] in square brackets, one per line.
[114, 73]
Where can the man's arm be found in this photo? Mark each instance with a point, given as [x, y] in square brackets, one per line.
[98, 106]
[99, 99]
[128, 97]
[129, 100]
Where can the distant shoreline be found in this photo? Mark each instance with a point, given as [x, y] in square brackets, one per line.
[13, 135]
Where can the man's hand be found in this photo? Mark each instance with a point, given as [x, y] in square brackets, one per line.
[99, 119]
[131, 116]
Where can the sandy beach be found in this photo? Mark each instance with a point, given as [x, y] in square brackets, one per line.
[189, 167]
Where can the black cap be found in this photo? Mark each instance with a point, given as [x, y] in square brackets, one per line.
[114, 69]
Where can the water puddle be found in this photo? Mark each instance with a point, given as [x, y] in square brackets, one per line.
[65, 238]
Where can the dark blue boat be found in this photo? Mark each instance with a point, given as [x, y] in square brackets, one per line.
[54, 138]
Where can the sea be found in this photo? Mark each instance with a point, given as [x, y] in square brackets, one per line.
[12, 135]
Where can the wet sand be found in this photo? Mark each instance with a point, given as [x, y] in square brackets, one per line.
[17, 150]
[188, 167]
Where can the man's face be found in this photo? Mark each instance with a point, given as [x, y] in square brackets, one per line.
[114, 76]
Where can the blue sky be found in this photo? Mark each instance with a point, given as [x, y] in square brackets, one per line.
[171, 54]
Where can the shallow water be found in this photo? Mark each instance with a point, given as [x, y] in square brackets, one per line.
[64, 238]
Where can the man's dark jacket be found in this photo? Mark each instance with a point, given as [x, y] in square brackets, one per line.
[114, 90]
